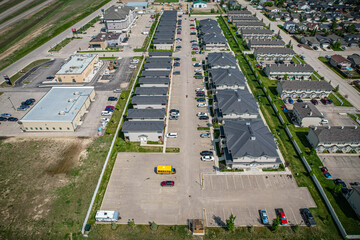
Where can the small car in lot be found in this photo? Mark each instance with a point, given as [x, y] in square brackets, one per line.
[174, 117]
[195, 48]
[281, 214]
[192, 25]
[108, 110]
[135, 60]
[339, 181]
[206, 153]
[299, 100]
[132, 66]
[179, 32]
[171, 135]
[205, 135]
[174, 111]
[201, 100]
[198, 74]
[207, 158]
[106, 113]
[201, 105]
[176, 64]
[12, 119]
[308, 217]
[324, 169]
[177, 59]
[198, 77]
[176, 72]
[3, 119]
[327, 175]
[203, 118]
[197, 70]
[199, 90]
[167, 183]
[117, 90]
[5, 115]
[197, 65]
[105, 120]
[23, 108]
[314, 101]
[200, 94]
[192, 28]
[112, 98]
[263, 216]
[193, 41]
[199, 114]
[50, 77]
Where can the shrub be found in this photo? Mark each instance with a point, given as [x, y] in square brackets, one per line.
[275, 225]
[153, 226]
[113, 226]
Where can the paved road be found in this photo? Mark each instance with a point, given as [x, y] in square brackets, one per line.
[42, 51]
[14, 8]
[311, 58]
[24, 14]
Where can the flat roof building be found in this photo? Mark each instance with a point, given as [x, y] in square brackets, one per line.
[61, 109]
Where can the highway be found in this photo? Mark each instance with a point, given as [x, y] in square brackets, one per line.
[311, 57]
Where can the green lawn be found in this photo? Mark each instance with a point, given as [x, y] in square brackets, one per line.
[337, 102]
[21, 10]
[324, 60]
[62, 44]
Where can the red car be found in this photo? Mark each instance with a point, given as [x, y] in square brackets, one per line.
[192, 28]
[195, 48]
[167, 183]
[109, 106]
[324, 169]
[282, 217]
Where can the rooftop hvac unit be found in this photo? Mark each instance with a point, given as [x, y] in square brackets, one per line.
[70, 100]
[62, 113]
[77, 93]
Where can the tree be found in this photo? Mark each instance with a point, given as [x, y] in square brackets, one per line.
[313, 33]
[231, 222]
[351, 29]
[337, 188]
[212, 10]
[275, 225]
[278, 35]
[268, 4]
[153, 226]
[289, 44]
[286, 76]
[333, 26]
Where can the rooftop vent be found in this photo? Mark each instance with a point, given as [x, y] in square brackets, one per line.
[306, 106]
[77, 93]
[310, 113]
[70, 100]
[253, 138]
[248, 123]
[342, 127]
[62, 113]
[355, 127]
[329, 127]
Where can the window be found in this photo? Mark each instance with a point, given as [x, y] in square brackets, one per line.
[40, 128]
[60, 128]
[47, 128]
[53, 128]
[31, 128]
[26, 128]
[68, 128]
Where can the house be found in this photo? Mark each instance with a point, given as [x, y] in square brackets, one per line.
[211, 35]
[353, 199]
[335, 139]
[272, 9]
[306, 114]
[162, 54]
[119, 18]
[220, 60]
[274, 16]
[151, 74]
[157, 64]
[304, 89]
[226, 79]
[289, 71]
[352, 40]
[238, 19]
[151, 91]
[165, 32]
[104, 40]
[155, 102]
[265, 43]
[310, 41]
[248, 144]
[295, 17]
[274, 53]
[249, 25]
[136, 114]
[339, 62]
[239, 13]
[290, 26]
[143, 131]
[335, 38]
[285, 16]
[235, 104]
[324, 41]
[138, 5]
[154, 82]
[312, 26]
[199, 4]
[256, 33]
[355, 60]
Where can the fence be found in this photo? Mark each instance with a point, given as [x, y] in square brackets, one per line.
[338, 98]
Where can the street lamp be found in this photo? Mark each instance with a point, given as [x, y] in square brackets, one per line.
[11, 103]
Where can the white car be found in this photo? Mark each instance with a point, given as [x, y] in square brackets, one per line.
[207, 158]
[105, 120]
[106, 113]
[199, 90]
[135, 60]
[172, 135]
[199, 114]
[132, 66]
[197, 70]
[201, 105]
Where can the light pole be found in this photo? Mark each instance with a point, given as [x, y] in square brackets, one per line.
[11, 103]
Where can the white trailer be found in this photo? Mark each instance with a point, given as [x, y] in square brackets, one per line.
[107, 216]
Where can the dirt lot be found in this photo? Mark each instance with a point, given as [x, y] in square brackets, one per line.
[46, 184]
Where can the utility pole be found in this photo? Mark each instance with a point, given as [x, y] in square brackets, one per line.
[11, 103]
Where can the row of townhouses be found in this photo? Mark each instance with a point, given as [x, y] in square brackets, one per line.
[165, 32]
[211, 35]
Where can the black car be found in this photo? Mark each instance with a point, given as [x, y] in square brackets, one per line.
[198, 77]
[112, 98]
[203, 117]
[173, 117]
[3, 119]
[308, 217]
[177, 59]
[198, 74]
[339, 181]
[12, 119]
[50, 77]
[206, 153]
[200, 95]
[299, 100]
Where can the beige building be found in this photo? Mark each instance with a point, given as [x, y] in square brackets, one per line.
[78, 68]
[61, 109]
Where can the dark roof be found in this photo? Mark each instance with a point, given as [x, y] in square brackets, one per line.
[143, 126]
[146, 73]
[145, 113]
[304, 85]
[117, 12]
[256, 31]
[254, 42]
[149, 80]
[290, 68]
[274, 50]
[151, 91]
[228, 77]
[249, 138]
[355, 58]
[160, 53]
[221, 59]
[306, 110]
[240, 12]
[247, 24]
[144, 100]
[102, 37]
[158, 59]
[237, 102]
[213, 38]
[337, 134]
[244, 18]
[338, 58]
[157, 65]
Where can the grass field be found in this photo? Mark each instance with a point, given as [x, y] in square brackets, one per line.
[9, 4]
[22, 10]
[26, 35]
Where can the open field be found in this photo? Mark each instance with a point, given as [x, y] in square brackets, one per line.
[34, 30]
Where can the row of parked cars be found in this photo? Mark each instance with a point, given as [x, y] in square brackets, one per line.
[7, 117]
[305, 213]
[25, 105]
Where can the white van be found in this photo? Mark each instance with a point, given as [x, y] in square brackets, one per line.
[145, 32]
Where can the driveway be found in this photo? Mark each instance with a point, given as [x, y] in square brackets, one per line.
[337, 116]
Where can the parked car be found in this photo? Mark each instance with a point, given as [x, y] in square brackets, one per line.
[324, 169]
[3, 119]
[193, 33]
[176, 73]
[105, 120]
[176, 117]
[200, 95]
[50, 77]
[12, 119]
[174, 111]
[327, 175]
[5, 115]
[324, 121]
[198, 74]
[192, 28]
[177, 59]
[198, 77]
[281, 214]
[206, 153]
[263, 216]
[308, 217]
[314, 101]
[176, 64]
[203, 118]
[109, 106]
[171, 135]
[199, 114]
[207, 158]
[339, 181]
[132, 66]
[106, 113]
[197, 70]
[117, 90]
[193, 41]
[108, 110]
[299, 100]
[195, 48]
[205, 135]
[23, 108]
[201, 105]
[179, 32]
[135, 60]
[167, 183]
[112, 98]
[192, 25]
[197, 65]
[201, 100]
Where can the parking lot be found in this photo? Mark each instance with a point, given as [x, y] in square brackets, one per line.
[91, 120]
[343, 166]
[337, 116]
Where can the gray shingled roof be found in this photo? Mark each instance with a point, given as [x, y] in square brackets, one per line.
[155, 73]
[306, 110]
[160, 53]
[156, 65]
[239, 142]
[242, 12]
[337, 135]
[221, 59]
[247, 24]
[245, 18]
[213, 38]
[158, 59]
[237, 102]
[304, 85]
[151, 91]
[274, 50]
[256, 31]
[149, 80]
[117, 12]
[151, 100]
[229, 77]
[143, 126]
[270, 42]
[290, 68]
[146, 113]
